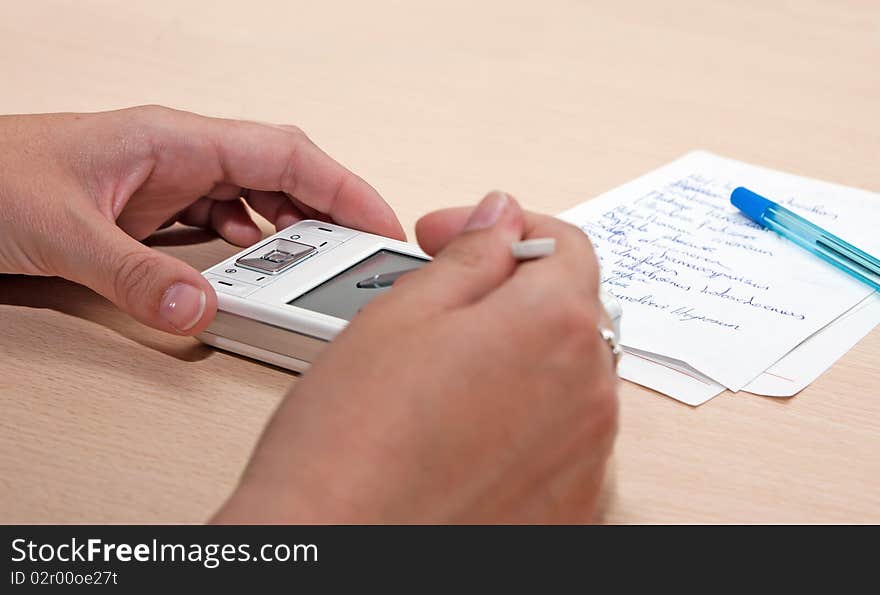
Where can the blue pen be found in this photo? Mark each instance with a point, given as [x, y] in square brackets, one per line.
[823, 244]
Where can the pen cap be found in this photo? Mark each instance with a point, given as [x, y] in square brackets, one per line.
[752, 205]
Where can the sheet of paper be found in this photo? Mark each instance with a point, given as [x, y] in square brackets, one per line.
[803, 365]
[785, 378]
[701, 284]
[668, 376]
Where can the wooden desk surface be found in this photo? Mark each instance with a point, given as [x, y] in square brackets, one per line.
[107, 421]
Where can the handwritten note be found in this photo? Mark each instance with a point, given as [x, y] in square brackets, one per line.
[701, 283]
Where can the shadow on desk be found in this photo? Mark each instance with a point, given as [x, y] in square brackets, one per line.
[179, 235]
[65, 297]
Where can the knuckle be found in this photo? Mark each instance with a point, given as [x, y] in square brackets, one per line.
[144, 132]
[603, 412]
[581, 243]
[574, 237]
[573, 231]
[289, 178]
[152, 112]
[574, 323]
[295, 130]
[134, 277]
[607, 403]
[599, 406]
[606, 381]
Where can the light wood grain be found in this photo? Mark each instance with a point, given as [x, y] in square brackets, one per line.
[103, 420]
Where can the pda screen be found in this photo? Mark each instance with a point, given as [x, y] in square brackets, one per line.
[341, 297]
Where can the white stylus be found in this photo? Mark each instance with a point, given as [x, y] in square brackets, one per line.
[522, 250]
[534, 248]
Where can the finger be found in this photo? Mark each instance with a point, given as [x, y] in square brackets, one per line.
[198, 214]
[284, 159]
[231, 220]
[275, 207]
[154, 288]
[574, 251]
[224, 191]
[306, 210]
[170, 221]
[559, 291]
[472, 264]
[437, 229]
[573, 258]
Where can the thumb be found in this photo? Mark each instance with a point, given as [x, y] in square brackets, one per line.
[438, 228]
[475, 261]
[154, 288]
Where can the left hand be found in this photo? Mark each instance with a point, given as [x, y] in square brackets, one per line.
[78, 192]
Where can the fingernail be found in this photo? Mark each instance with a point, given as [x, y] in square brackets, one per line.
[182, 306]
[488, 212]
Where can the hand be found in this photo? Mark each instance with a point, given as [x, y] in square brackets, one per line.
[77, 192]
[478, 389]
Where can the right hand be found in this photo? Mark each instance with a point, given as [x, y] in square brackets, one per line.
[477, 390]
